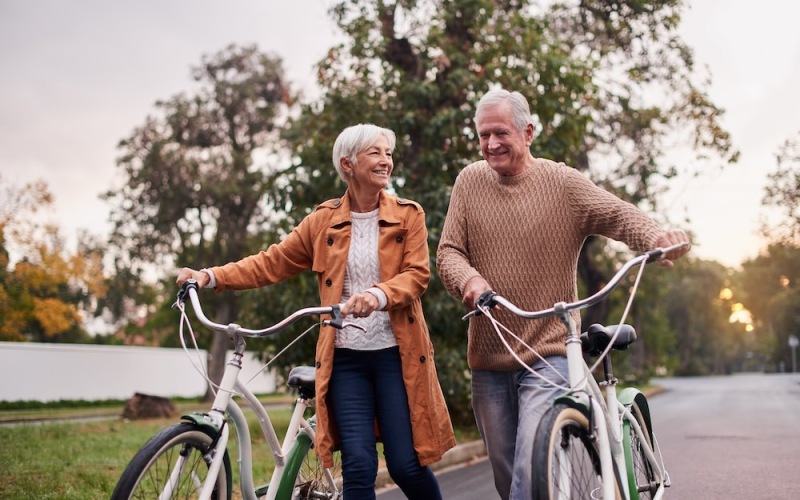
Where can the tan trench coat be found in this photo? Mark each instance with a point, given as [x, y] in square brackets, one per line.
[321, 243]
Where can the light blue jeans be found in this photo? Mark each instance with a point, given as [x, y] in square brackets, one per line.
[508, 407]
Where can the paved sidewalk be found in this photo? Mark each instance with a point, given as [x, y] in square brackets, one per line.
[462, 453]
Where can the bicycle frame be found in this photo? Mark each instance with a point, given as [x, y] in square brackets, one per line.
[607, 412]
[224, 409]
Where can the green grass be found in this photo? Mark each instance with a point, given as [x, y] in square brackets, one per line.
[73, 460]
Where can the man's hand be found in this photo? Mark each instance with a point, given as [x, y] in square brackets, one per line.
[200, 277]
[672, 238]
[473, 290]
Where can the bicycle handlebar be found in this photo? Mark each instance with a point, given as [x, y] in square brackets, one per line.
[489, 298]
[189, 288]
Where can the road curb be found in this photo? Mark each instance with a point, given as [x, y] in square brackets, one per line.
[460, 454]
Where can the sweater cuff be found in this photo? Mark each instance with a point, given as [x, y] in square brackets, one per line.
[212, 282]
[378, 293]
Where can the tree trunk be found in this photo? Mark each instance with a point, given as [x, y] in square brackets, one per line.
[593, 279]
[225, 312]
[142, 406]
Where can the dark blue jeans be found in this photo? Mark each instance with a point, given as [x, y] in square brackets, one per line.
[365, 386]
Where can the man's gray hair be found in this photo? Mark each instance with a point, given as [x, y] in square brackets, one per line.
[355, 139]
[520, 111]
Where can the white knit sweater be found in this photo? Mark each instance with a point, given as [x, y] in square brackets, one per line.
[362, 272]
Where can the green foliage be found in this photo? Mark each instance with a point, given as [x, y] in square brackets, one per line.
[196, 196]
[770, 287]
[783, 193]
[43, 293]
[194, 191]
[419, 67]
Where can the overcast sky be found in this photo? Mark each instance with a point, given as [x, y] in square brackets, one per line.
[76, 77]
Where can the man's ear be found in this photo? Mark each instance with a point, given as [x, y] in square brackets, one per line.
[529, 133]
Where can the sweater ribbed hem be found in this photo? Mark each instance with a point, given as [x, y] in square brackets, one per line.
[504, 362]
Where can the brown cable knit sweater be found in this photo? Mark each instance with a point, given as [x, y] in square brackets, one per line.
[523, 234]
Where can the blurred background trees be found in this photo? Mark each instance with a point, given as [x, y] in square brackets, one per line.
[229, 167]
[47, 293]
[193, 193]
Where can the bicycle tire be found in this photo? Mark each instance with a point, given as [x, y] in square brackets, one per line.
[642, 480]
[566, 461]
[146, 474]
[305, 478]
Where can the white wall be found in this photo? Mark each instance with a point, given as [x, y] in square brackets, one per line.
[49, 372]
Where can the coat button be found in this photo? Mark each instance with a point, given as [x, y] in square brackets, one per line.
[399, 239]
[422, 359]
[328, 282]
[317, 364]
[330, 241]
[411, 320]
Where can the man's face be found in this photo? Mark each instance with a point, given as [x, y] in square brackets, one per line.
[504, 146]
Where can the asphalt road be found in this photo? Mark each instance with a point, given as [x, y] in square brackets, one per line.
[728, 437]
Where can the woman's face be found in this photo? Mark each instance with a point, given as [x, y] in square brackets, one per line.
[372, 167]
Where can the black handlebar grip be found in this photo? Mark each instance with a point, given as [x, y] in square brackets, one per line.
[486, 299]
[337, 321]
[183, 292]
[654, 255]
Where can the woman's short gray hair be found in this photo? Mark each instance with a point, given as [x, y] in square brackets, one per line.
[355, 139]
[520, 111]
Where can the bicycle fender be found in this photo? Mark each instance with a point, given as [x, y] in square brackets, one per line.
[631, 395]
[203, 421]
[576, 403]
[294, 460]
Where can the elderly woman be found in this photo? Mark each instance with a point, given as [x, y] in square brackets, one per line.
[370, 251]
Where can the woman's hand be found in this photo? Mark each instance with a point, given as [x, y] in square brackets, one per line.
[360, 305]
[200, 277]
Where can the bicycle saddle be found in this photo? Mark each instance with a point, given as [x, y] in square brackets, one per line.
[596, 338]
[302, 379]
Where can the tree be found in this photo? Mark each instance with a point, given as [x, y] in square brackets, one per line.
[783, 193]
[47, 291]
[196, 175]
[770, 286]
[589, 68]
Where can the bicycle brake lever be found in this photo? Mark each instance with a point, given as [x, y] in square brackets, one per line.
[353, 325]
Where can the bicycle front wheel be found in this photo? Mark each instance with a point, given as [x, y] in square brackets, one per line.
[642, 477]
[174, 463]
[566, 462]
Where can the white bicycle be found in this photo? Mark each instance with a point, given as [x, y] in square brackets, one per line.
[592, 444]
[190, 460]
